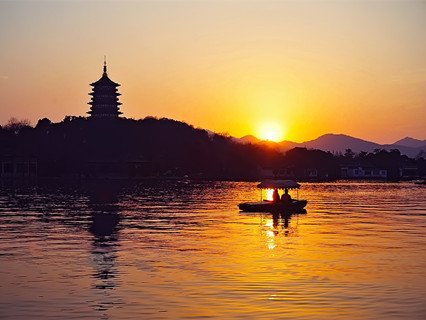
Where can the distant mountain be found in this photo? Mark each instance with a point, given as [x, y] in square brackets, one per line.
[248, 139]
[283, 145]
[411, 142]
[340, 142]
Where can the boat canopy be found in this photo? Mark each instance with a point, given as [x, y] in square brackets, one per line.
[278, 184]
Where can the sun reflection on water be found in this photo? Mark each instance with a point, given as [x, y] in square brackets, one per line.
[271, 232]
[270, 239]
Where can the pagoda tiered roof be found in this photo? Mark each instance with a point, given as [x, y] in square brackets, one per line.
[104, 103]
[105, 81]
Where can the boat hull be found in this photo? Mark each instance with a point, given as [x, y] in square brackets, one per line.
[269, 206]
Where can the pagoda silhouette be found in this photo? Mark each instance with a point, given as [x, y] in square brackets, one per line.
[104, 103]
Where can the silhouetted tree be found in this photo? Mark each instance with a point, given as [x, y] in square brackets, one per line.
[349, 154]
[43, 123]
[15, 126]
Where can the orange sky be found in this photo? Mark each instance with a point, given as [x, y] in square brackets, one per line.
[306, 68]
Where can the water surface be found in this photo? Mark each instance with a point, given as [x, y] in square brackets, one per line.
[181, 249]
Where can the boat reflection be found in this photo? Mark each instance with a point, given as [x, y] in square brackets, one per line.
[279, 223]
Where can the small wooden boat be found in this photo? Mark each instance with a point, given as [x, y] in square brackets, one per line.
[421, 181]
[291, 206]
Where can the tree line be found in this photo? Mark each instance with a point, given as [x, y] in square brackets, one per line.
[173, 148]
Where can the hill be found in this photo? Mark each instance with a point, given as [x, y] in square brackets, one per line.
[85, 147]
[411, 142]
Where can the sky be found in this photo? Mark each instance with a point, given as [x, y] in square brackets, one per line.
[296, 69]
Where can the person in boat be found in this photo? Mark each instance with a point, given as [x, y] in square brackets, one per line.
[286, 198]
[275, 196]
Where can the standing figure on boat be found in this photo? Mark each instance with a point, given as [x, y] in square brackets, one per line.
[275, 196]
[286, 198]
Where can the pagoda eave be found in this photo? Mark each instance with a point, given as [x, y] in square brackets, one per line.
[105, 82]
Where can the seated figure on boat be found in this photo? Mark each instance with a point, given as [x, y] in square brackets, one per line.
[286, 198]
[275, 196]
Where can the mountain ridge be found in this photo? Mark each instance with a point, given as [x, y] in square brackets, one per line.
[340, 142]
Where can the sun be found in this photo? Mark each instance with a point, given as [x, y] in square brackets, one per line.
[271, 131]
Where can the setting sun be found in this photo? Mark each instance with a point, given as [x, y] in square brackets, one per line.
[271, 131]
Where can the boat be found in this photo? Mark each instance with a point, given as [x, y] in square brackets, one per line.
[292, 206]
[421, 181]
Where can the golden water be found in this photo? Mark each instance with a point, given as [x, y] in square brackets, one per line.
[183, 250]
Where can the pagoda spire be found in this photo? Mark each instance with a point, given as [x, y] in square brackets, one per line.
[105, 67]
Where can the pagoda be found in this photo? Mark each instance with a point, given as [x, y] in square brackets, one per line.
[104, 103]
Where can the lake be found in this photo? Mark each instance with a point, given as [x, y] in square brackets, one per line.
[182, 249]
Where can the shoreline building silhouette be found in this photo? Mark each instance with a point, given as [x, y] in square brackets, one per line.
[104, 103]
